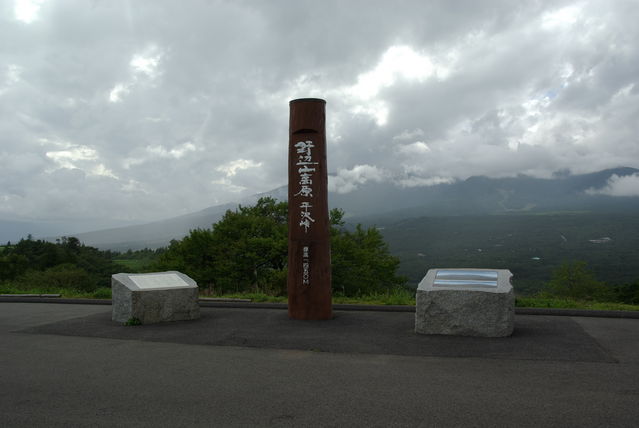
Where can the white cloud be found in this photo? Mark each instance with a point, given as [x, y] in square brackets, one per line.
[146, 65]
[27, 10]
[376, 109]
[174, 153]
[398, 62]
[103, 171]
[118, 91]
[68, 158]
[559, 18]
[416, 148]
[232, 168]
[627, 185]
[144, 69]
[414, 181]
[347, 180]
[78, 157]
[147, 62]
[228, 185]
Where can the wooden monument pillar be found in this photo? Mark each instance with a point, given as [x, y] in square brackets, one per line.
[309, 253]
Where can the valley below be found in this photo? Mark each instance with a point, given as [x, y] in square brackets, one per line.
[531, 246]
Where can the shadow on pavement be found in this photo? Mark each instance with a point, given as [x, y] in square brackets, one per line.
[535, 337]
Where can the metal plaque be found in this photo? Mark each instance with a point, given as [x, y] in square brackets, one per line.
[163, 280]
[465, 278]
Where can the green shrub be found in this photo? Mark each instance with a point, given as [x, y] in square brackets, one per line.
[64, 276]
[627, 293]
[575, 281]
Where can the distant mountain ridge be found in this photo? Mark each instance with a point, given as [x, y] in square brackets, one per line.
[480, 195]
[385, 203]
[160, 233]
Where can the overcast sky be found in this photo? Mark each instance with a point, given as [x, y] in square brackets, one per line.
[141, 110]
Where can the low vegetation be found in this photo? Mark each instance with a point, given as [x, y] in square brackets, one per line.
[70, 293]
[563, 303]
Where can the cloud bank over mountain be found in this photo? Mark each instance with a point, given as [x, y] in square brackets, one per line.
[619, 186]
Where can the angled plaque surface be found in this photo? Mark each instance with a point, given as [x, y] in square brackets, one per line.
[466, 278]
[160, 280]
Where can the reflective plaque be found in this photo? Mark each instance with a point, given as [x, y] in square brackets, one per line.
[465, 278]
[161, 280]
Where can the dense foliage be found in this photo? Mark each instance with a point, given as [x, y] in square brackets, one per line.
[247, 251]
[573, 280]
[66, 264]
[361, 262]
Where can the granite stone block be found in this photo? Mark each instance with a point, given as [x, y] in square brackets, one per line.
[154, 297]
[465, 302]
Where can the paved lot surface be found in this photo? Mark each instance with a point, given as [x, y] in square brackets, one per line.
[69, 365]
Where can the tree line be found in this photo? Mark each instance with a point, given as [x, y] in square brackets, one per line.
[246, 251]
[65, 264]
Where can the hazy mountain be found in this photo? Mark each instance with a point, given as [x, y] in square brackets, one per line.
[15, 229]
[483, 195]
[383, 203]
[160, 233]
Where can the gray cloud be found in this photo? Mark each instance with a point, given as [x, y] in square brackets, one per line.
[148, 109]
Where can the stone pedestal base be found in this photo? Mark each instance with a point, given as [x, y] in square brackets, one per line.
[153, 298]
[465, 302]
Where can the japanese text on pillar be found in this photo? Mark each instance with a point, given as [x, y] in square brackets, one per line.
[306, 170]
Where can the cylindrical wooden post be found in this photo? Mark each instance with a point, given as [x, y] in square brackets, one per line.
[309, 254]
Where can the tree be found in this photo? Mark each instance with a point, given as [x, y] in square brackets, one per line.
[12, 265]
[245, 250]
[628, 293]
[361, 262]
[192, 255]
[574, 280]
[248, 250]
[251, 245]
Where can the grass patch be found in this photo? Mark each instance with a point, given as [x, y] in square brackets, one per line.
[392, 297]
[558, 303]
[100, 293]
[255, 297]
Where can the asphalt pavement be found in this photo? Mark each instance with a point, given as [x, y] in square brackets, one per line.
[70, 365]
